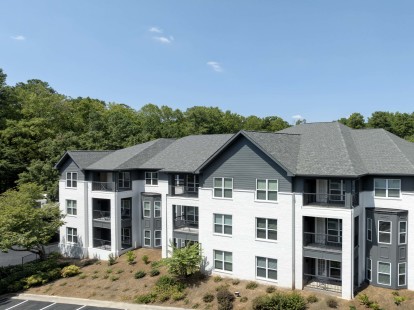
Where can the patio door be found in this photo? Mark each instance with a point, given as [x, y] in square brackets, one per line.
[321, 190]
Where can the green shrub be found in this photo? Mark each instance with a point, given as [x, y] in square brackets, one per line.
[252, 285]
[398, 299]
[105, 276]
[140, 274]
[235, 281]
[83, 276]
[375, 306]
[109, 270]
[130, 257]
[35, 280]
[244, 299]
[225, 300]
[146, 298]
[208, 297]
[352, 308]
[114, 278]
[221, 287]
[332, 303]
[119, 271]
[290, 301]
[195, 306]
[312, 299]
[94, 276]
[364, 300]
[145, 259]
[111, 259]
[217, 279]
[154, 272]
[176, 296]
[70, 271]
[270, 289]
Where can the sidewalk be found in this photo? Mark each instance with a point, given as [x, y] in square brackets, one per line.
[92, 302]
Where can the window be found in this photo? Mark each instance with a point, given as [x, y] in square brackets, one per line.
[334, 269]
[223, 187]
[369, 229]
[179, 180]
[387, 188]
[126, 207]
[71, 179]
[72, 235]
[384, 232]
[223, 260]
[71, 207]
[266, 190]
[369, 269]
[402, 274]
[126, 235]
[356, 231]
[384, 273]
[223, 224]
[157, 238]
[336, 190]
[334, 230]
[402, 232]
[151, 178]
[147, 237]
[266, 229]
[266, 268]
[157, 208]
[124, 179]
[192, 183]
[147, 208]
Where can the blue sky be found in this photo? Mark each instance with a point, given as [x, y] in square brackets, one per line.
[319, 59]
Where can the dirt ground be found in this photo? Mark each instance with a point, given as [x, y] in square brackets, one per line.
[117, 283]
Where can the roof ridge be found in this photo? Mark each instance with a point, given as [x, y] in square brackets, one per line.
[401, 152]
[91, 150]
[273, 132]
[338, 124]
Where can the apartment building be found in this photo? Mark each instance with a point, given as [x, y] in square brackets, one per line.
[315, 205]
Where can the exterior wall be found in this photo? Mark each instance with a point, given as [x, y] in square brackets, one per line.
[70, 166]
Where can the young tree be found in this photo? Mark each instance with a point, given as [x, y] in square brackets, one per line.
[185, 261]
[23, 227]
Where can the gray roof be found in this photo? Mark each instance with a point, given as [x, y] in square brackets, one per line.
[187, 154]
[131, 157]
[83, 158]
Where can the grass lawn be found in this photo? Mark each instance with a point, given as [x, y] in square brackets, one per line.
[117, 283]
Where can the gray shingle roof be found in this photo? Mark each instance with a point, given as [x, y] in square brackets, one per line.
[131, 157]
[188, 153]
[84, 158]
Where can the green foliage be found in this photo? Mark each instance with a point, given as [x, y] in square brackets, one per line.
[332, 303]
[217, 279]
[111, 259]
[176, 296]
[312, 299]
[114, 278]
[146, 298]
[154, 272]
[252, 285]
[364, 300]
[145, 259]
[244, 299]
[140, 274]
[270, 289]
[167, 287]
[131, 256]
[185, 261]
[352, 308]
[224, 286]
[208, 297]
[225, 300]
[398, 300]
[70, 271]
[235, 281]
[286, 301]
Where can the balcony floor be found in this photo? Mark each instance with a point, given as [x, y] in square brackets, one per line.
[318, 246]
[316, 284]
[190, 230]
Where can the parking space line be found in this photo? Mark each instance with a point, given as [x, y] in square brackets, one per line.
[48, 306]
[78, 308]
[21, 303]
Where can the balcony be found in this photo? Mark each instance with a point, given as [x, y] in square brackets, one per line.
[102, 244]
[347, 201]
[103, 186]
[100, 215]
[184, 191]
[183, 224]
[322, 241]
[322, 283]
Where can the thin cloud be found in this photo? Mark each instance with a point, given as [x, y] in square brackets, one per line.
[19, 38]
[164, 40]
[297, 117]
[215, 66]
[155, 30]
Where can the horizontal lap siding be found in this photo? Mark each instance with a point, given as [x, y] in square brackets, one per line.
[70, 166]
[245, 163]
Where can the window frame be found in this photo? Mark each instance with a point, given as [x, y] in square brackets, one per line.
[123, 236]
[402, 233]
[151, 178]
[402, 274]
[194, 184]
[73, 181]
[369, 269]
[157, 208]
[369, 229]
[387, 188]
[267, 278]
[144, 203]
[267, 190]
[341, 190]
[384, 232]
[123, 180]
[378, 273]
[222, 224]
[147, 238]
[72, 233]
[222, 188]
[73, 207]
[223, 269]
[266, 230]
[126, 209]
[157, 239]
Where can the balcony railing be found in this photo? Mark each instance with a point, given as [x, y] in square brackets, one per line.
[184, 191]
[102, 215]
[102, 244]
[323, 283]
[331, 200]
[322, 241]
[103, 186]
[182, 222]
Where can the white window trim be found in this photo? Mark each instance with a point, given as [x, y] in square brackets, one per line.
[369, 228]
[222, 188]
[267, 269]
[123, 229]
[390, 233]
[267, 191]
[400, 274]
[341, 189]
[222, 225]
[400, 233]
[223, 261]
[71, 179]
[378, 273]
[151, 178]
[157, 203]
[369, 269]
[267, 230]
[72, 208]
[155, 238]
[145, 238]
[72, 235]
[143, 207]
[387, 188]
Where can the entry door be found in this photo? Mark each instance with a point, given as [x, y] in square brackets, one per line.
[321, 190]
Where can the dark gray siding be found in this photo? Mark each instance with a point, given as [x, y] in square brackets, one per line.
[150, 223]
[245, 163]
[407, 183]
[70, 166]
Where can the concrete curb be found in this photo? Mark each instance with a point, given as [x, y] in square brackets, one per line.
[92, 302]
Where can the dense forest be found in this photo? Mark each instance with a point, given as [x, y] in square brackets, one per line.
[37, 125]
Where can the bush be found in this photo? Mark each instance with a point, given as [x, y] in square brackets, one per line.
[312, 299]
[217, 279]
[364, 300]
[145, 259]
[225, 300]
[332, 303]
[208, 297]
[70, 271]
[252, 285]
[114, 278]
[352, 308]
[221, 287]
[130, 257]
[244, 299]
[146, 298]
[83, 276]
[270, 289]
[398, 299]
[176, 296]
[185, 261]
[375, 306]
[195, 306]
[154, 272]
[140, 274]
[111, 259]
[291, 301]
[34, 280]
[235, 281]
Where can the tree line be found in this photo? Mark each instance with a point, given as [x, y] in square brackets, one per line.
[38, 124]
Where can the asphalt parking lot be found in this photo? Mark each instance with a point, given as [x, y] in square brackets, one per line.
[24, 304]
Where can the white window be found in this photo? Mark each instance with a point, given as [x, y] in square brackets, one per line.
[192, 183]
[72, 235]
[402, 232]
[71, 207]
[223, 187]
[334, 230]
[147, 237]
[71, 179]
[266, 190]
[151, 178]
[387, 188]
[266, 268]
[147, 208]
[157, 208]
[402, 274]
[223, 260]
[336, 190]
[384, 273]
[334, 269]
[223, 224]
[369, 269]
[124, 179]
[157, 238]
[266, 228]
[126, 207]
[126, 235]
[384, 232]
[369, 229]
[179, 180]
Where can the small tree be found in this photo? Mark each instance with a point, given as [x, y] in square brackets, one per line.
[185, 261]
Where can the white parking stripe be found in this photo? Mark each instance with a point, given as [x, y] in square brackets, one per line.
[17, 305]
[48, 306]
[78, 308]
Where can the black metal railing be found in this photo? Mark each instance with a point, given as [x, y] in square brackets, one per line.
[102, 215]
[326, 241]
[103, 186]
[102, 244]
[186, 191]
[333, 200]
[181, 222]
[323, 283]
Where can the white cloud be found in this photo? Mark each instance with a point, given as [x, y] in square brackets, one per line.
[164, 40]
[155, 30]
[19, 38]
[297, 117]
[215, 66]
